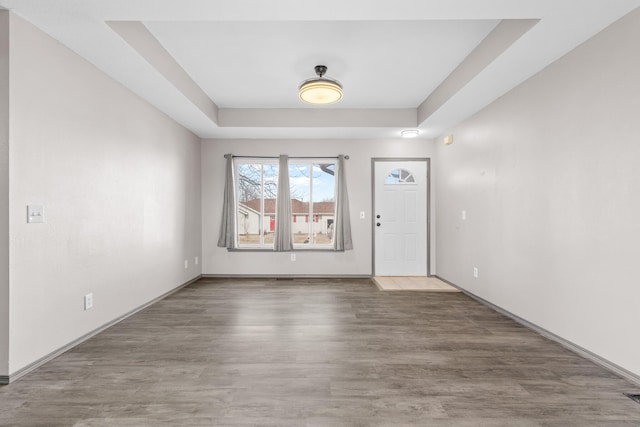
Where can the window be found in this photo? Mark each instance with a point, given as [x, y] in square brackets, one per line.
[256, 196]
[313, 196]
[400, 176]
[312, 187]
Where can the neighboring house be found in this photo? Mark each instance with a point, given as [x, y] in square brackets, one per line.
[249, 216]
[248, 220]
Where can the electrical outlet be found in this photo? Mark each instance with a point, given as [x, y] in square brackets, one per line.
[196, 261]
[475, 272]
[186, 263]
[293, 257]
[88, 301]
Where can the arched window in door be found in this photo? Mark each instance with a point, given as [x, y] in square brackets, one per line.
[400, 176]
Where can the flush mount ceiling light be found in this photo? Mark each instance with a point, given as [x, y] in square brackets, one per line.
[320, 90]
[410, 133]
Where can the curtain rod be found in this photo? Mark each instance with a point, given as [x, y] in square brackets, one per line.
[226, 156]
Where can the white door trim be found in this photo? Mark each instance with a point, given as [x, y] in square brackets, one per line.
[374, 161]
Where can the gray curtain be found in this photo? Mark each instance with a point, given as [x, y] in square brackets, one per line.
[342, 226]
[283, 239]
[227, 238]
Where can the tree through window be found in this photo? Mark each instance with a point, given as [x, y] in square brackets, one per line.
[257, 191]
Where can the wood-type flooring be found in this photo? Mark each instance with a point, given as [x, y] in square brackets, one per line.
[321, 352]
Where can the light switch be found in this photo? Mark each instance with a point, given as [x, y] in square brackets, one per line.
[362, 215]
[35, 213]
[463, 215]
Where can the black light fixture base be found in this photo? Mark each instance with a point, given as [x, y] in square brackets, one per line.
[321, 70]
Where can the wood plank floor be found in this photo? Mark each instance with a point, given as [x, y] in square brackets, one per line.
[317, 353]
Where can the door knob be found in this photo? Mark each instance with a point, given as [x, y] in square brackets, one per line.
[378, 216]
[378, 224]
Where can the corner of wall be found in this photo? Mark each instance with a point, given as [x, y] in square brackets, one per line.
[4, 193]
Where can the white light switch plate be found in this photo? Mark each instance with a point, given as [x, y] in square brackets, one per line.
[35, 213]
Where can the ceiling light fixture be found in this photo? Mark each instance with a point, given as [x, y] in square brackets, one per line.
[320, 90]
[410, 133]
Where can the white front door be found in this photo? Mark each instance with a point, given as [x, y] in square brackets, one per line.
[400, 218]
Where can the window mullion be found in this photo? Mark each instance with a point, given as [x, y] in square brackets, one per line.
[262, 216]
[310, 209]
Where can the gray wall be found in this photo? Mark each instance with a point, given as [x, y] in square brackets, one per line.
[357, 262]
[120, 185]
[548, 176]
[4, 193]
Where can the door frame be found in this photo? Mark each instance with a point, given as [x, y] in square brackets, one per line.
[375, 160]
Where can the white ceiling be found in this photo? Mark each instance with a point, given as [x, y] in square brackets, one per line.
[230, 69]
[382, 64]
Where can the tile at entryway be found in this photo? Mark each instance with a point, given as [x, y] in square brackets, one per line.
[413, 283]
